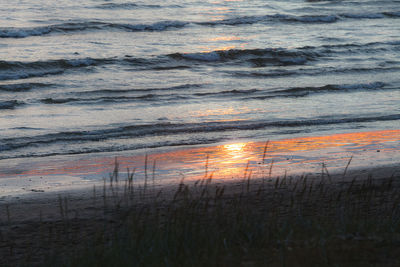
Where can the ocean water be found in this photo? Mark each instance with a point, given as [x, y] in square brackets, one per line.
[95, 76]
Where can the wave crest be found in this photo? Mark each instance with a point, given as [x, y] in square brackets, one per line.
[12, 32]
[161, 129]
[10, 104]
[258, 57]
[11, 70]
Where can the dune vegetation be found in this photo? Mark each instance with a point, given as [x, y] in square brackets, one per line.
[318, 220]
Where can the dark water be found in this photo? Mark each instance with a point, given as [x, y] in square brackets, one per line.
[106, 76]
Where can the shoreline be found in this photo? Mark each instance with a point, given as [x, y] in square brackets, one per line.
[46, 205]
[227, 161]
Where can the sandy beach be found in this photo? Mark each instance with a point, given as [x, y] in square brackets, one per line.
[199, 133]
[85, 202]
[40, 202]
[227, 161]
[37, 226]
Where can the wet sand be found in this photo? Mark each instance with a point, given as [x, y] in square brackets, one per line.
[50, 194]
[37, 189]
[228, 161]
[87, 202]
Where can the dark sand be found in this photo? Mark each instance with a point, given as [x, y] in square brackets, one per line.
[32, 226]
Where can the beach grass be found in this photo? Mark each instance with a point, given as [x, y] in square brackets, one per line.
[318, 220]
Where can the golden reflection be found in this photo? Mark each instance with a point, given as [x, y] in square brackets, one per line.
[234, 147]
[233, 151]
[230, 160]
[216, 13]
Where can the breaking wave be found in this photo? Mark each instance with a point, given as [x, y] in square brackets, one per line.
[11, 32]
[262, 57]
[112, 99]
[277, 56]
[10, 104]
[296, 91]
[10, 70]
[146, 90]
[125, 6]
[78, 26]
[22, 87]
[330, 18]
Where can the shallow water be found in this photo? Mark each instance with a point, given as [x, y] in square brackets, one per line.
[134, 76]
[364, 153]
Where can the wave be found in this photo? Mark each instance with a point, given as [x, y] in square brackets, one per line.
[356, 45]
[164, 99]
[11, 70]
[307, 19]
[280, 56]
[301, 91]
[57, 63]
[261, 57]
[12, 32]
[118, 96]
[273, 56]
[395, 14]
[78, 26]
[158, 26]
[125, 6]
[272, 18]
[179, 67]
[228, 92]
[10, 104]
[130, 90]
[129, 5]
[165, 129]
[363, 15]
[12, 75]
[293, 91]
[270, 74]
[115, 148]
[273, 73]
[360, 70]
[22, 87]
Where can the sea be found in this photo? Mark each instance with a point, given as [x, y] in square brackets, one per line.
[131, 77]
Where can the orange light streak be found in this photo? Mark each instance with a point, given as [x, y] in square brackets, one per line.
[229, 160]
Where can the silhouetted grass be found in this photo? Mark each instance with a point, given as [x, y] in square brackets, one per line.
[283, 221]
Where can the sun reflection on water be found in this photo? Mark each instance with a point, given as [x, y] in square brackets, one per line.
[234, 151]
[235, 147]
[228, 161]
